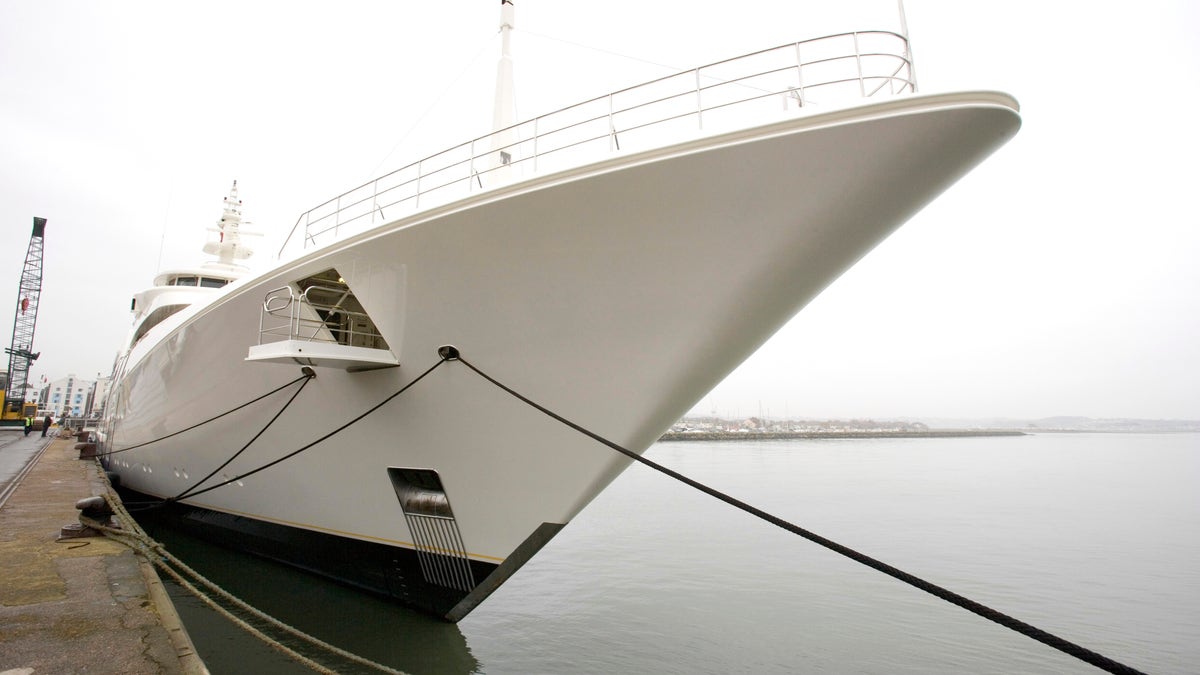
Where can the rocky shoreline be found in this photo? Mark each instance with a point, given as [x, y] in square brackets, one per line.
[789, 435]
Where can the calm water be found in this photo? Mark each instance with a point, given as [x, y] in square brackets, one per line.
[1094, 537]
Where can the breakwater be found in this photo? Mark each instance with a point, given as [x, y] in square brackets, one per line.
[865, 433]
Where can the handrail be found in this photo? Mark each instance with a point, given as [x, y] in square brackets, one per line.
[291, 323]
[734, 92]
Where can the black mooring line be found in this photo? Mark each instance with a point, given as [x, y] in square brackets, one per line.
[307, 375]
[336, 431]
[1067, 647]
[188, 492]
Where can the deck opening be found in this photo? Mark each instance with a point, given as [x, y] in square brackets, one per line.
[317, 321]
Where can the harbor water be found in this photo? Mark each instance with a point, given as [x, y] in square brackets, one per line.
[1092, 537]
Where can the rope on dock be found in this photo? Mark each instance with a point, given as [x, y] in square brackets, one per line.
[131, 534]
[158, 555]
[1082, 653]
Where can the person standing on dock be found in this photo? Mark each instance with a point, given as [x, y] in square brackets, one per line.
[46, 424]
[28, 424]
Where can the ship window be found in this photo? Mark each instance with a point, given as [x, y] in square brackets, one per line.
[184, 281]
[209, 282]
[156, 317]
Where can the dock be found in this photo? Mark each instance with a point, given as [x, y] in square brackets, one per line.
[85, 604]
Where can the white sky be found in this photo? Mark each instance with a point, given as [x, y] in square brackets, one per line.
[1061, 277]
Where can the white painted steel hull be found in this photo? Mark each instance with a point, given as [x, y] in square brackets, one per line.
[616, 295]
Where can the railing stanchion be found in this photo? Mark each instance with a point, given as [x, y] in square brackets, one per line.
[612, 127]
[374, 199]
[862, 88]
[294, 315]
[337, 216]
[800, 75]
[417, 193]
[570, 129]
[471, 169]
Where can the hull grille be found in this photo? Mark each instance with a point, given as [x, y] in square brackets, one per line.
[440, 551]
[435, 534]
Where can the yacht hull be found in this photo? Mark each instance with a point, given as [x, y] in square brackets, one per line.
[617, 295]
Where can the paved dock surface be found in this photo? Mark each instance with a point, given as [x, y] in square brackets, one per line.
[74, 605]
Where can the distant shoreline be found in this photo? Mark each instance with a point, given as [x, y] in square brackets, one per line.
[790, 435]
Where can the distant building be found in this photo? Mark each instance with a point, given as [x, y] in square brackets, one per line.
[69, 396]
[99, 393]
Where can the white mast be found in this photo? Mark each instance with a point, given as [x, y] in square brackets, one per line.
[912, 69]
[228, 245]
[504, 113]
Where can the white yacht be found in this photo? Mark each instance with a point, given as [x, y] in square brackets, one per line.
[611, 261]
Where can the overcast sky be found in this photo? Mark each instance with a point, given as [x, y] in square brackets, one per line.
[1062, 277]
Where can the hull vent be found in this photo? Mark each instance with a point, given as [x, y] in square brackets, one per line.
[435, 533]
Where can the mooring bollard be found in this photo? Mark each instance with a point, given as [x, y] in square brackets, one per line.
[87, 449]
[94, 508]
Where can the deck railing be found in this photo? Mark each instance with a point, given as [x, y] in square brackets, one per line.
[314, 315]
[734, 93]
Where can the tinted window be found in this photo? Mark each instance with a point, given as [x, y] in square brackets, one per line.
[156, 317]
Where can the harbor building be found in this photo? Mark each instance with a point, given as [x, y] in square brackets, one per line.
[68, 396]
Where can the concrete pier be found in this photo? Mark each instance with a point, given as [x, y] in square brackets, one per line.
[74, 605]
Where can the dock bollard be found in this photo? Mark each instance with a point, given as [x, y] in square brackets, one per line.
[95, 508]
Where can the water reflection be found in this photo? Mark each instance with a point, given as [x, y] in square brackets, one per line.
[1091, 536]
[350, 619]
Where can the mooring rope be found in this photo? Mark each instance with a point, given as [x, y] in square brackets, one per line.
[132, 535]
[1065, 646]
[336, 431]
[192, 491]
[308, 374]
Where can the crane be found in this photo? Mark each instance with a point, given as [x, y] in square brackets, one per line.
[21, 354]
